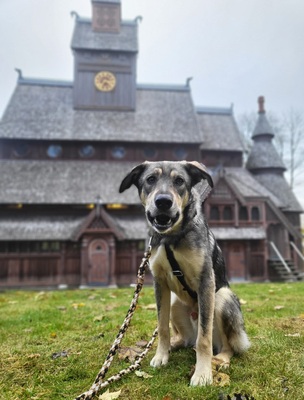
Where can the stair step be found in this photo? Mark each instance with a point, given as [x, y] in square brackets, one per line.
[282, 272]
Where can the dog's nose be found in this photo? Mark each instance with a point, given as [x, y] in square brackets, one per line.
[163, 201]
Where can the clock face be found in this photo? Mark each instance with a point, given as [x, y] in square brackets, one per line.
[105, 81]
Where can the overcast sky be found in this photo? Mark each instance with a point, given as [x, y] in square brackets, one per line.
[235, 50]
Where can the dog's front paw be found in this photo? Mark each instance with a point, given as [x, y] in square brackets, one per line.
[159, 359]
[202, 379]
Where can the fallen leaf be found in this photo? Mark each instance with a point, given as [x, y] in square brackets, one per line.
[99, 318]
[61, 308]
[109, 396]
[77, 305]
[293, 335]
[53, 335]
[243, 302]
[221, 379]
[150, 307]
[129, 353]
[142, 343]
[37, 355]
[40, 296]
[142, 374]
[277, 308]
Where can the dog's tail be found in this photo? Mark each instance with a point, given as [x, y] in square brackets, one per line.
[230, 320]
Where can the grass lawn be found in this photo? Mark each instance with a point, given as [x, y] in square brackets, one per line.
[53, 343]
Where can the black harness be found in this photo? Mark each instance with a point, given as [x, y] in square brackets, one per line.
[176, 270]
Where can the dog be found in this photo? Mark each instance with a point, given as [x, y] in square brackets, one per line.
[191, 287]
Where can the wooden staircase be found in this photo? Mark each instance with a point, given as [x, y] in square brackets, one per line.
[278, 272]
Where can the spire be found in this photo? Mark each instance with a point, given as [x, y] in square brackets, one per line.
[266, 165]
[262, 126]
[263, 156]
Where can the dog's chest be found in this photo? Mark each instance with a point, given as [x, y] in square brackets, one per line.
[190, 262]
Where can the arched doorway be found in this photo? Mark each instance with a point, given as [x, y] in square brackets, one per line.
[98, 262]
[236, 261]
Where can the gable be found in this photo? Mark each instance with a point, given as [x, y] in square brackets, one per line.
[99, 221]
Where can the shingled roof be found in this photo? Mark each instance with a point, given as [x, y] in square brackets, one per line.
[48, 182]
[248, 186]
[45, 111]
[39, 227]
[264, 155]
[218, 129]
[277, 184]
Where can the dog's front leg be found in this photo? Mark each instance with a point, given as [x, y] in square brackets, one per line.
[162, 295]
[206, 297]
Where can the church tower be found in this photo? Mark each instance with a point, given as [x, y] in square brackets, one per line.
[105, 51]
[264, 157]
[267, 166]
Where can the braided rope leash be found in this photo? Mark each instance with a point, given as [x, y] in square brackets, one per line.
[98, 383]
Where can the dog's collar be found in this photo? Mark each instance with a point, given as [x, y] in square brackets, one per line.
[176, 270]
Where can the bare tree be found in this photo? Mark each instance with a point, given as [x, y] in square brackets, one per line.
[294, 139]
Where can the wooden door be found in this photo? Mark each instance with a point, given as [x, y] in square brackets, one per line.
[236, 264]
[98, 262]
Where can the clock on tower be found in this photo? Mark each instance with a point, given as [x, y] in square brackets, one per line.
[105, 51]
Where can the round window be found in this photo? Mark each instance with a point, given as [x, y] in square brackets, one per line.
[118, 152]
[87, 151]
[150, 152]
[54, 151]
[180, 153]
[21, 149]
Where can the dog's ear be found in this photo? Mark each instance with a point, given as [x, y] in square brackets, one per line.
[198, 171]
[132, 178]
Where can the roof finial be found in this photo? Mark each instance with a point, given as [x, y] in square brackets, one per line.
[139, 18]
[98, 205]
[19, 72]
[188, 81]
[74, 14]
[261, 101]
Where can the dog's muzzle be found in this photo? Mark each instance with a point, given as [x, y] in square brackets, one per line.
[163, 217]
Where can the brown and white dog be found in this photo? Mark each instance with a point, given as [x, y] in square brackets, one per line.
[188, 268]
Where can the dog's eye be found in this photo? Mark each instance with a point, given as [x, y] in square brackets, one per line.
[179, 181]
[151, 179]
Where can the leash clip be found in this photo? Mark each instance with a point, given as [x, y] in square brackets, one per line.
[177, 273]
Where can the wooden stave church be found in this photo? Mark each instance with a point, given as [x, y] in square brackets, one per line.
[65, 147]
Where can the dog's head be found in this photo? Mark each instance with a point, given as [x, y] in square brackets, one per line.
[165, 189]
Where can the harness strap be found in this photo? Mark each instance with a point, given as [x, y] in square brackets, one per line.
[176, 270]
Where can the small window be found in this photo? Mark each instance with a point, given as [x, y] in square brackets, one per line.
[118, 152]
[180, 153]
[21, 150]
[214, 213]
[87, 151]
[227, 213]
[54, 151]
[255, 214]
[149, 152]
[243, 213]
